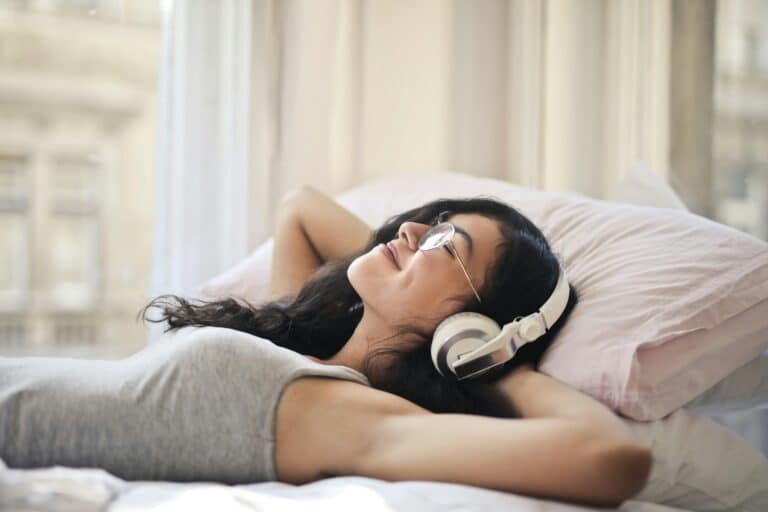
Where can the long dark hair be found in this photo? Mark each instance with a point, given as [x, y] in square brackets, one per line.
[322, 316]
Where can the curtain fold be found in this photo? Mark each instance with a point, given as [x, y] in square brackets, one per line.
[541, 93]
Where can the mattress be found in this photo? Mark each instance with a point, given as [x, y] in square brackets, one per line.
[60, 489]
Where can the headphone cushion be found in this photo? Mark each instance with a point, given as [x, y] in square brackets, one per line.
[465, 321]
[477, 327]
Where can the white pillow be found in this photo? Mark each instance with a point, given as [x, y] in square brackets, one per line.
[745, 387]
[248, 281]
[670, 302]
[701, 466]
[698, 465]
[641, 186]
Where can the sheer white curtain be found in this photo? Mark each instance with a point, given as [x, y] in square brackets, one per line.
[556, 95]
[260, 96]
[203, 172]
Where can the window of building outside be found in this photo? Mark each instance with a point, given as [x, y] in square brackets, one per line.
[78, 110]
[719, 131]
[740, 125]
[719, 105]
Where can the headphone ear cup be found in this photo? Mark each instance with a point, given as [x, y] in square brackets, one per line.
[458, 334]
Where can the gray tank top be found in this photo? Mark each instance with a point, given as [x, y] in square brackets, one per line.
[198, 404]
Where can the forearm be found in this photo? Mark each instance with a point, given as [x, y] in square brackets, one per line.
[533, 394]
[293, 257]
[311, 229]
[333, 231]
[550, 458]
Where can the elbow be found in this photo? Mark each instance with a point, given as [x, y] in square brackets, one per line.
[625, 469]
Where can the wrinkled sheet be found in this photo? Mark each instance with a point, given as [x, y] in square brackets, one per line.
[60, 489]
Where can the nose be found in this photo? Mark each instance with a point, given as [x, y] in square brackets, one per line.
[411, 232]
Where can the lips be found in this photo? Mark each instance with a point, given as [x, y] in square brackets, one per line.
[390, 253]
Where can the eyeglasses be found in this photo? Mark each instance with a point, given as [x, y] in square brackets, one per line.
[442, 235]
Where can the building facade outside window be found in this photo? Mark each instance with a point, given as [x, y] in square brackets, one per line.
[78, 94]
[719, 107]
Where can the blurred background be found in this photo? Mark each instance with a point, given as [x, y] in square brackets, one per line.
[78, 138]
[145, 145]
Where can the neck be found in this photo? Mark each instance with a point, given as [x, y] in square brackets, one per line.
[371, 333]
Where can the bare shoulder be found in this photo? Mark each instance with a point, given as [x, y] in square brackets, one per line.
[323, 425]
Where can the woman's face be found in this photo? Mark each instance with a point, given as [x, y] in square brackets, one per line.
[417, 287]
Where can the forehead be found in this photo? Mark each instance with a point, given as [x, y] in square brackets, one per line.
[485, 237]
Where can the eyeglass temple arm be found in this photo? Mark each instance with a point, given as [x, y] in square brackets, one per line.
[463, 269]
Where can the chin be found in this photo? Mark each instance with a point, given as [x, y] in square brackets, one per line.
[368, 281]
[357, 275]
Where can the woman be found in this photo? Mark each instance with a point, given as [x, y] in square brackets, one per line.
[339, 304]
[342, 310]
[337, 300]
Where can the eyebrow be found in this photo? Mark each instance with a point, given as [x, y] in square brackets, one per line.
[468, 238]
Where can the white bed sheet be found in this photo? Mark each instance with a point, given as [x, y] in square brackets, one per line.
[60, 489]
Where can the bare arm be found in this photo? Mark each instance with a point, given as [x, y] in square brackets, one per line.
[311, 229]
[550, 458]
[567, 446]
[336, 427]
[535, 395]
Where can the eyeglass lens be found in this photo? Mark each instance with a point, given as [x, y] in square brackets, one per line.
[436, 237]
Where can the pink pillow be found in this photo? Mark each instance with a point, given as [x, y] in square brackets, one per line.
[248, 280]
[670, 302]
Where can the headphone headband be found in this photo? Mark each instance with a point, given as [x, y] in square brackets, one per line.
[556, 303]
[503, 346]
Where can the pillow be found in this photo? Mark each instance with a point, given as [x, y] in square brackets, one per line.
[702, 466]
[670, 302]
[250, 278]
[248, 281]
[642, 186]
[747, 386]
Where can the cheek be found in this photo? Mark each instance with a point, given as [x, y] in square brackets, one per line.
[370, 275]
[427, 287]
[422, 288]
[430, 284]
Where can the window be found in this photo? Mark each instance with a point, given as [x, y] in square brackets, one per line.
[741, 115]
[77, 153]
[720, 123]
[14, 243]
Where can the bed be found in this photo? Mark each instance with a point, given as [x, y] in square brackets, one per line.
[61, 489]
[708, 456]
[703, 464]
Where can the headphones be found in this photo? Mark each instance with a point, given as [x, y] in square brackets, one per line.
[469, 344]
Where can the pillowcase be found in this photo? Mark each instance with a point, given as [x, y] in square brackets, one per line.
[747, 386]
[248, 281]
[643, 187]
[670, 302]
[702, 466]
